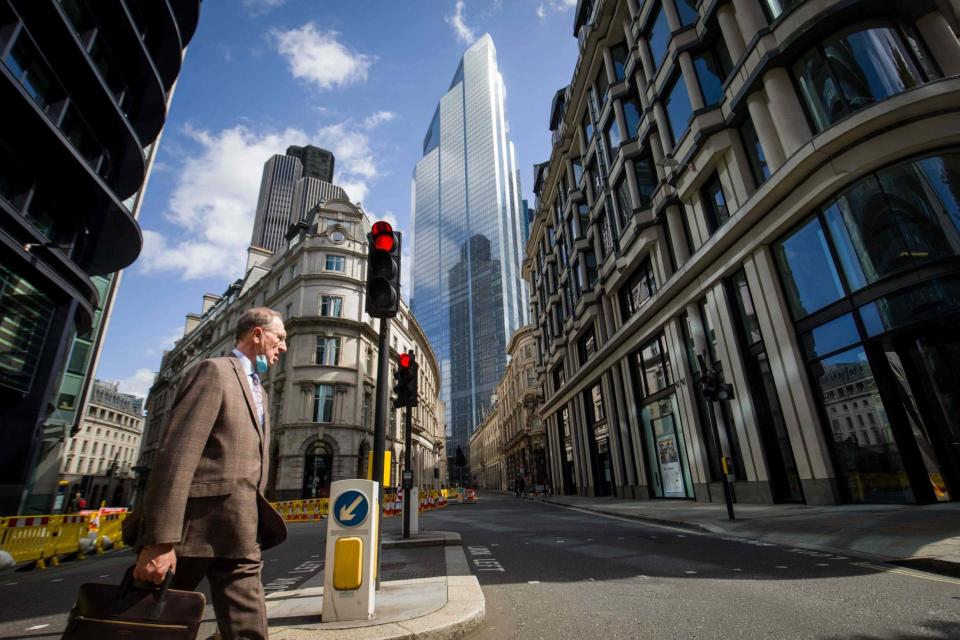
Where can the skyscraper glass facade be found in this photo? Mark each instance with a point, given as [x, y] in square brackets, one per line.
[467, 291]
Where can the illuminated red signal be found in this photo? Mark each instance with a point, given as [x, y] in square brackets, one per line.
[381, 227]
[405, 360]
[384, 242]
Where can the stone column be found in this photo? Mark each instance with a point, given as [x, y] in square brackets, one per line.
[621, 124]
[641, 80]
[673, 18]
[731, 32]
[772, 151]
[750, 17]
[677, 235]
[690, 80]
[631, 175]
[788, 116]
[632, 7]
[656, 150]
[608, 66]
[941, 41]
[643, 48]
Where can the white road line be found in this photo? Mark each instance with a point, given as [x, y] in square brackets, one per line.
[57, 580]
[633, 521]
[690, 572]
[106, 575]
[906, 572]
[533, 582]
[10, 584]
[740, 570]
[822, 564]
[36, 626]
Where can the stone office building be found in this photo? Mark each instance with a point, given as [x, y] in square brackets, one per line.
[769, 189]
[321, 393]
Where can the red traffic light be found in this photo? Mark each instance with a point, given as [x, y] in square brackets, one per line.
[383, 238]
[405, 360]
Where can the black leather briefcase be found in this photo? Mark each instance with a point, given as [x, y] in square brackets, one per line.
[129, 610]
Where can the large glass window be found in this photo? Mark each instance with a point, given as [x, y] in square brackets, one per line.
[812, 281]
[27, 66]
[336, 263]
[687, 10]
[712, 66]
[714, 203]
[331, 306]
[653, 362]
[323, 403]
[678, 107]
[619, 54]
[25, 314]
[624, 201]
[852, 70]
[328, 351]
[631, 117]
[658, 36]
[638, 289]
[613, 138]
[646, 174]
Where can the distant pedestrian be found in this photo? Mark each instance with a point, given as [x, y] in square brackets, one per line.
[523, 485]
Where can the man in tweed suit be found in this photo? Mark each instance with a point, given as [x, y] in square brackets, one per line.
[204, 514]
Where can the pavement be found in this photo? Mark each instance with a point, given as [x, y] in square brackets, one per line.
[446, 606]
[921, 536]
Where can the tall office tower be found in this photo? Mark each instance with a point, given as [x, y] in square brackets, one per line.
[280, 177]
[467, 291]
[84, 104]
[309, 193]
[317, 163]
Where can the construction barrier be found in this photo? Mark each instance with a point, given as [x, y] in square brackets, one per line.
[67, 537]
[109, 531]
[303, 510]
[28, 539]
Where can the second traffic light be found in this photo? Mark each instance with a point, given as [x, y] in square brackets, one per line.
[712, 389]
[383, 271]
[406, 377]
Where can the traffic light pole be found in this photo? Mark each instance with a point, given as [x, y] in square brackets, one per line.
[407, 468]
[380, 425]
[727, 493]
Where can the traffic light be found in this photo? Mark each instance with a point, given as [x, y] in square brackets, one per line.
[711, 387]
[406, 377]
[383, 271]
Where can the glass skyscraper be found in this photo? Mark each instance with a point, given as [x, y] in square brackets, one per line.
[467, 290]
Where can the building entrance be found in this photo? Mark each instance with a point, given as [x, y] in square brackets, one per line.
[923, 381]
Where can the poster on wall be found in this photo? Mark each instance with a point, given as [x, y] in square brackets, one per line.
[668, 457]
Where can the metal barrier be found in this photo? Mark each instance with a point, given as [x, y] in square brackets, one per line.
[303, 510]
[67, 536]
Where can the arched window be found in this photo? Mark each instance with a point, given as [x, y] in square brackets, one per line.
[317, 470]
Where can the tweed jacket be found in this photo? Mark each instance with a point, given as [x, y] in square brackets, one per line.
[205, 491]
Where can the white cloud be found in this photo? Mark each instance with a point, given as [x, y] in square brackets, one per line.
[214, 199]
[463, 32]
[554, 5]
[376, 119]
[260, 7]
[319, 58]
[139, 383]
[166, 343]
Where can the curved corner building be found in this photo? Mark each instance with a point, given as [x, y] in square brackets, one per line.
[467, 289]
[769, 189]
[85, 88]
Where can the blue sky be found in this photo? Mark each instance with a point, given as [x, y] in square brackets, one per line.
[360, 78]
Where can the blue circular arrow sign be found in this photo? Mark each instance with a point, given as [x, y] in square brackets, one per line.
[350, 509]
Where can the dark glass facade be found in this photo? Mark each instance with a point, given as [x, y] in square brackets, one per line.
[85, 87]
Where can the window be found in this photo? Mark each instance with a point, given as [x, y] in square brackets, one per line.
[638, 289]
[323, 403]
[658, 37]
[336, 263]
[586, 346]
[587, 130]
[328, 351]
[612, 134]
[78, 357]
[558, 378]
[28, 67]
[653, 365]
[687, 9]
[804, 261]
[631, 117]
[852, 70]
[577, 172]
[602, 85]
[775, 8]
[619, 54]
[646, 175]
[678, 108]
[755, 155]
[624, 201]
[714, 203]
[25, 314]
[331, 306]
[712, 67]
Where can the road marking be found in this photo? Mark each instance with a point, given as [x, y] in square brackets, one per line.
[10, 584]
[560, 541]
[106, 575]
[36, 626]
[822, 564]
[621, 519]
[906, 572]
[690, 572]
[488, 563]
[533, 582]
[680, 535]
[780, 566]
[57, 580]
[740, 570]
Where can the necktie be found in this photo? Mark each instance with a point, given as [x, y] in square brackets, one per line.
[257, 395]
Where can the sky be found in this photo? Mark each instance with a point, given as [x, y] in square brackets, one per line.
[361, 79]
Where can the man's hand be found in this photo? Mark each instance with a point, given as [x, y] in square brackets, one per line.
[154, 561]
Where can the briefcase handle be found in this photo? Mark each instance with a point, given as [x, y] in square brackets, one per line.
[156, 609]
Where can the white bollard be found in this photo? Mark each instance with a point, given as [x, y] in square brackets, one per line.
[349, 577]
